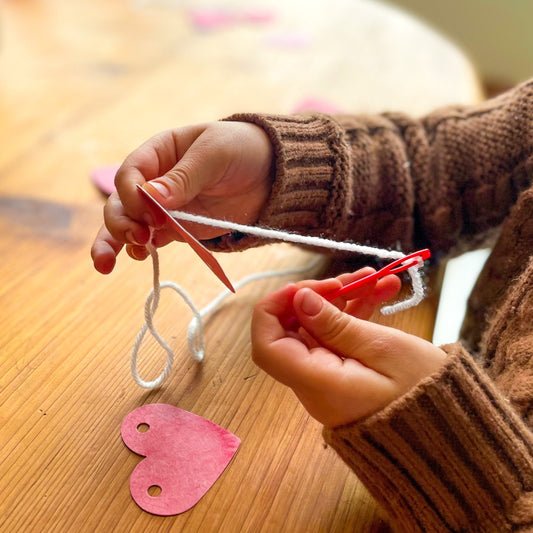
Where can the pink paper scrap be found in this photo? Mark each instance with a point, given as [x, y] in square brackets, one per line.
[212, 18]
[104, 177]
[313, 103]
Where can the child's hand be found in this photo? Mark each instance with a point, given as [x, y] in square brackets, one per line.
[220, 170]
[341, 367]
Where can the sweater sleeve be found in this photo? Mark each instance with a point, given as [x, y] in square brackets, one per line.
[392, 181]
[507, 263]
[450, 455]
[507, 346]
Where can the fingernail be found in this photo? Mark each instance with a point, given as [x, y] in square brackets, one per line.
[311, 303]
[160, 187]
[130, 237]
[139, 253]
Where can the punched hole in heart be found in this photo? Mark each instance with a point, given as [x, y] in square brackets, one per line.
[154, 490]
[143, 427]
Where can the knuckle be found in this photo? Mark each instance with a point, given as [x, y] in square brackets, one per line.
[110, 217]
[115, 222]
[335, 327]
[381, 347]
[222, 140]
[260, 357]
[179, 174]
[120, 177]
[181, 178]
[256, 356]
[158, 142]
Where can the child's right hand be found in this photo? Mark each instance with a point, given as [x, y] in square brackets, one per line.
[220, 170]
[342, 367]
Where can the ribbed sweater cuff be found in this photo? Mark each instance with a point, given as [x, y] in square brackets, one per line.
[450, 455]
[309, 188]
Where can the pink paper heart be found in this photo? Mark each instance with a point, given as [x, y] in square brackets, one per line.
[184, 456]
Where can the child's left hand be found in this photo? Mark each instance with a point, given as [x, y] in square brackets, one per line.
[341, 367]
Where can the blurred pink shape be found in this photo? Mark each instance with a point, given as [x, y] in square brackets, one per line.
[104, 177]
[257, 15]
[289, 40]
[316, 104]
[212, 18]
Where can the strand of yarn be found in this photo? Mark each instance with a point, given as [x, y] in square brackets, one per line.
[195, 331]
[265, 233]
[273, 234]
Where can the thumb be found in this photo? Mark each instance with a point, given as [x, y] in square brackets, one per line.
[400, 356]
[198, 169]
[343, 334]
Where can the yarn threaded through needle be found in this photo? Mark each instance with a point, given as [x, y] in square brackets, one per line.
[195, 338]
[271, 234]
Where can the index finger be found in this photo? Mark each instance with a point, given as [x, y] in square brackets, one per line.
[266, 324]
[274, 349]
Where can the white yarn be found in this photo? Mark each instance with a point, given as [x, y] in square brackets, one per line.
[195, 338]
[150, 307]
[195, 331]
[265, 233]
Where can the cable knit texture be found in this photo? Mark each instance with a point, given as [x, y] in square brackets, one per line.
[456, 452]
[510, 253]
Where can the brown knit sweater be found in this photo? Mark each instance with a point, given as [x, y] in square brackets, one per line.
[456, 452]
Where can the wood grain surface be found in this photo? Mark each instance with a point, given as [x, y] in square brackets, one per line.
[81, 85]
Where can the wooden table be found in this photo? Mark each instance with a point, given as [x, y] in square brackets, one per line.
[81, 85]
